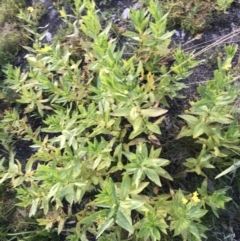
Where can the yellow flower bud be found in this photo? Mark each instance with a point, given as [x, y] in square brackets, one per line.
[30, 9]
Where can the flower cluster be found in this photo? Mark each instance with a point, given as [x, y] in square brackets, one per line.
[194, 198]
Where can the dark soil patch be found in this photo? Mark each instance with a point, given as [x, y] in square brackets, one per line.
[220, 26]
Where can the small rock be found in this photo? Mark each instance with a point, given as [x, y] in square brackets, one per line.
[177, 33]
[48, 37]
[53, 13]
[137, 5]
[126, 13]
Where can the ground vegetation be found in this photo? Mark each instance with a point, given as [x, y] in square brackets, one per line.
[107, 158]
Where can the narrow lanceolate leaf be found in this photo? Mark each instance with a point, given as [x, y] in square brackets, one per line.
[232, 168]
[61, 223]
[137, 127]
[137, 190]
[124, 220]
[5, 176]
[70, 195]
[196, 212]
[54, 189]
[191, 120]
[45, 205]
[137, 124]
[105, 226]
[121, 112]
[33, 209]
[134, 203]
[153, 112]
[166, 35]
[29, 164]
[125, 187]
[132, 35]
[137, 176]
[97, 162]
[153, 176]
[150, 80]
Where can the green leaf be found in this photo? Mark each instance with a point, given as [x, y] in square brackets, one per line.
[54, 189]
[199, 129]
[191, 120]
[137, 176]
[125, 187]
[137, 124]
[34, 206]
[5, 176]
[18, 181]
[92, 217]
[153, 127]
[180, 226]
[134, 113]
[104, 227]
[137, 128]
[196, 212]
[132, 35]
[70, 194]
[140, 188]
[130, 156]
[155, 234]
[61, 225]
[97, 162]
[132, 204]
[29, 49]
[121, 112]
[166, 35]
[153, 112]
[153, 176]
[164, 173]
[232, 168]
[125, 221]
[45, 205]
[194, 230]
[29, 164]
[62, 141]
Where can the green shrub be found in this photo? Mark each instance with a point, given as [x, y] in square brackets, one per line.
[212, 120]
[11, 35]
[98, 136]
[193, 16]
[9, 10]
[13, 31]
[223, 5]
[10, 41]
